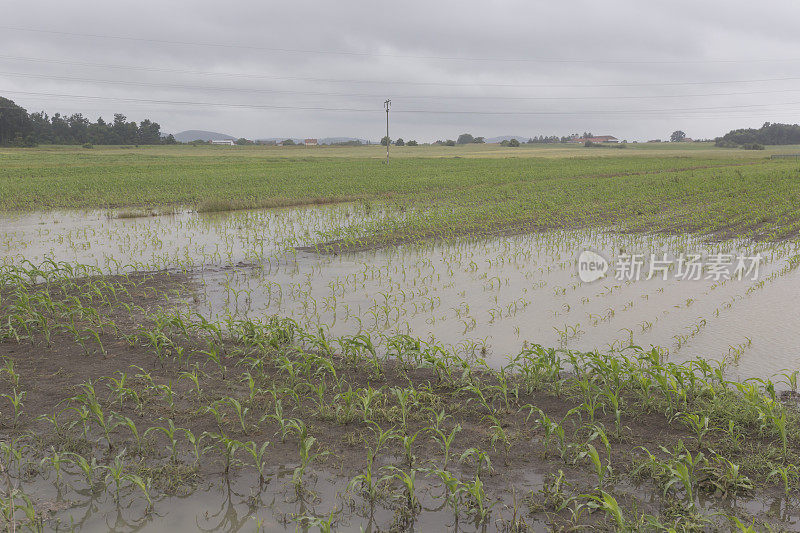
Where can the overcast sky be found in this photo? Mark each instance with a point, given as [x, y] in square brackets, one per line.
[635, 70]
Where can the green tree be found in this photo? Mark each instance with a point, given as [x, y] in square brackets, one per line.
[14, 122]
[124, 132]
[465, 138]
[412, 142]
[677, 136]
[148, 133]
[386, 140]
[399, 142]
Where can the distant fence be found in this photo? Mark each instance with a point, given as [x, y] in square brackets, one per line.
[785, 156]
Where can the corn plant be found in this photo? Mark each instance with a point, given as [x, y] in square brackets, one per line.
[228, 447]
[479, 502]
[16, 398]
[698, 424]
[408, 482]
[259, 456]
[306, 458]
[599, 468]
[788, 474]
[608, 503]
[171, 433]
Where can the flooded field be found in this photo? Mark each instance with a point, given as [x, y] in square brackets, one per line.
[174, 370]
[495, 295]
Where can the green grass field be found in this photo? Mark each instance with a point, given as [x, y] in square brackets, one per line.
[441, 190]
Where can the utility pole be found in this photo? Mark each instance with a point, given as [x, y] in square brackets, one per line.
[387, 104]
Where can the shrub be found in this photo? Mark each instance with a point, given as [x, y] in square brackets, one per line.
[88, 145]
[753, 146]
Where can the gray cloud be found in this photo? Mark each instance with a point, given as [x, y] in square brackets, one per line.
[542, 67]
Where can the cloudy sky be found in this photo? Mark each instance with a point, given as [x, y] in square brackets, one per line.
[633, 69]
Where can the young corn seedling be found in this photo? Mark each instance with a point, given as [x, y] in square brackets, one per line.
[346, 406]
[82, 418]
[453, 488]
[608, 503]
[479, 502]
[8, 368]
[366, 397]
[614, 401]
[681, 471]
[283, 422]
[194, 378]
[170, 432]
[499, 434]
[408, 482]
[404, 399]
[601, 470]
[127, 422]
[306, 458]
[408, 448]
[116, 473]
[196, 443]
[16, 398]
[88, 468]
[143, 485]
[252, 389]
[241, 412]
[217, 411]
[228, 447]
[259, 456]
[369, 481]
[482, 461]
[789, 475]
[698, 424]
[446, 441]
[791, 379]
[56, 460]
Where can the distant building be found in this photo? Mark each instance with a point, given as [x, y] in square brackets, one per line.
[226, 142]
[599, 139]
[311, 142]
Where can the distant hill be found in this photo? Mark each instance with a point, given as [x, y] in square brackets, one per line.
[520, 138]
[324, 140]
[193, 135]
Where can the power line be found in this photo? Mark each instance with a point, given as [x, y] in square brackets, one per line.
[396, 56]
[390, 82]
[631, 112]
[376, 95]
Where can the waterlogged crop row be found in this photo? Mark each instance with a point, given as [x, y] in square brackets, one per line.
[417, 431]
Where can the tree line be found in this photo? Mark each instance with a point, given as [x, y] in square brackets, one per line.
[20, 128]
[769, 133]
